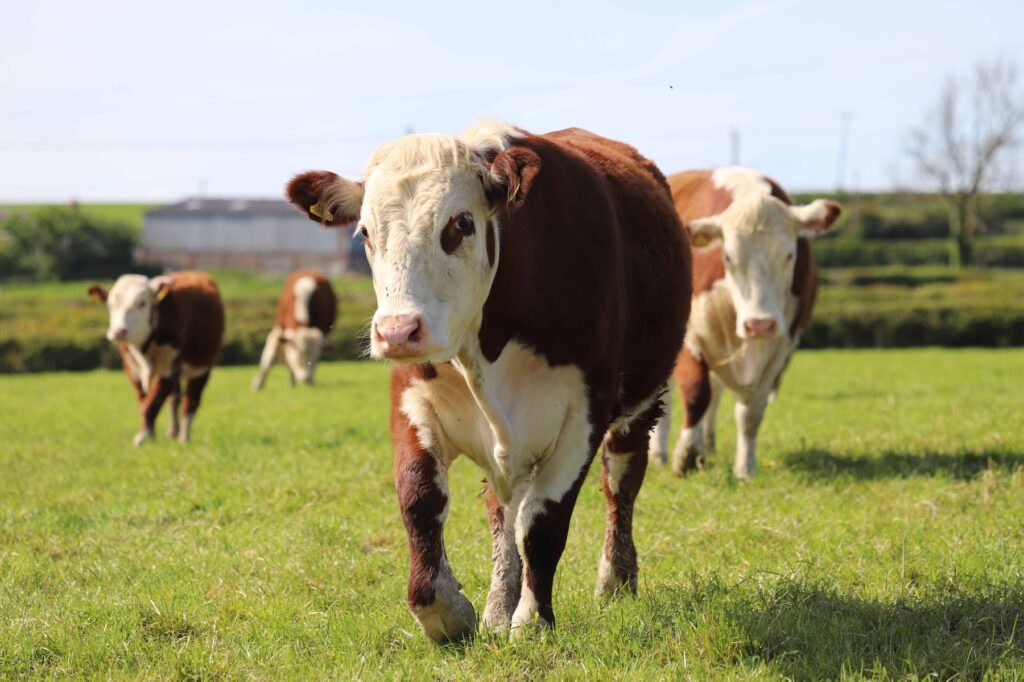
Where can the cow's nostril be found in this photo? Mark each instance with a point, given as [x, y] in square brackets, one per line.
[414, 335]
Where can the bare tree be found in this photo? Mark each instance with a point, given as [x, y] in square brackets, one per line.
[964, 144]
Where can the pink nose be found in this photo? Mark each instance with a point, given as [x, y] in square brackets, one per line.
[399, 336]
[763, 327]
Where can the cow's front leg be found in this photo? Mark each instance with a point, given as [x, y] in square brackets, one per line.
[624, 463]
[542, 526]
[695, 386]
[421, 481]
[149, 408]
[748, 421]
[507, 568]
[270, 354]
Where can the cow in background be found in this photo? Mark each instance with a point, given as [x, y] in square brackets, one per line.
[305, 315]
[533, 292]
[168, 329]
[754, 286]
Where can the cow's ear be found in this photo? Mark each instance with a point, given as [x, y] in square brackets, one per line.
[98, 293]
[160, 286]
[704, 231]
[815, 218]
[512, 174]
[326, 197]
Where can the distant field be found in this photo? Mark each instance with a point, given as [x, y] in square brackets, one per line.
[884, 537]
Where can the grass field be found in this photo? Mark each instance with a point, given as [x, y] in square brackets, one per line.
[882, 539]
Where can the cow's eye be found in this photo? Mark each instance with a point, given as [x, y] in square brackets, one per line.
[728, 260]
[465, 223]
[363, 231]
[140, 305]
[789, 257]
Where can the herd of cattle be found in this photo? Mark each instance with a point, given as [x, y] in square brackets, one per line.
[536, 294]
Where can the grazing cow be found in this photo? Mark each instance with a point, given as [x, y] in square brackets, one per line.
[168, 329]
[305, 315]
[533, 291]
[754, 286]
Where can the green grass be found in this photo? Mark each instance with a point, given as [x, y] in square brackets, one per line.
[883, 537]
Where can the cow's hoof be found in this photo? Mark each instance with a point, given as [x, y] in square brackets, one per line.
[657, 458]
[743, 473]
[612, 582]
[141, 437]
[257, 384]
[691, 461]
[448, 619]
[527, 624]
[172, 431]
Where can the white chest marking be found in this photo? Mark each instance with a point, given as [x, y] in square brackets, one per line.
[520, 411]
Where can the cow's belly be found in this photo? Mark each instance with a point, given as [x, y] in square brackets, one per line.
[542, 410]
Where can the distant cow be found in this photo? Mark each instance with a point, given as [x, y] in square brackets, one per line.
[305, 315]
[168, 329]
[533, 291]
[754, 286]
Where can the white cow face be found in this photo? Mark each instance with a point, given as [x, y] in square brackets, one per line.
[302, 349]
[758, 236]
[427, 212]
[131, 302]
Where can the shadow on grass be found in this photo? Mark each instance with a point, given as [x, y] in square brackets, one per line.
[812, 632]
[822, 465]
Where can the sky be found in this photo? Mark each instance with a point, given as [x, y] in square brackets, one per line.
[142, 101]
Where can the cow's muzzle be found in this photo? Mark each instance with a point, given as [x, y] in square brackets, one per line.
[400, 336]
[760, 328]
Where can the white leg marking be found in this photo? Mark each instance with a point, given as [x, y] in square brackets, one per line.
[748, 420]
[270, 353]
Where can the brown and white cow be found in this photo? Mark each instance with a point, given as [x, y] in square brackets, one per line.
[754, 286]
[168, 330]
[305, 315]
[520, 284]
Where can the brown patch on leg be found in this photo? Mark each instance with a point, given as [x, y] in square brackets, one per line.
[433, 594]
[150, 406]
[624, 463]
[695, 386]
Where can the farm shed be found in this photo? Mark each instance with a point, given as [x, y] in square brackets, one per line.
[261, 235]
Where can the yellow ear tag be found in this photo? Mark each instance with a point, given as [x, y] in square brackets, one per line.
[162, 293]
[701, 240]
[319, 212]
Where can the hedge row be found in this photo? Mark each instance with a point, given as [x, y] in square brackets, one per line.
[1005, 251]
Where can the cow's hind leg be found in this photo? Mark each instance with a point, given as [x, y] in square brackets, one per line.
[507, 567]
[658, 450]
[193, 393]
[421, 481]
[173, 422]
[708, 424]
[695, 386]
[624, 463]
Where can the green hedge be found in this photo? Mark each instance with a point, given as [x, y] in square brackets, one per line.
[51, 326]
[1006, 251]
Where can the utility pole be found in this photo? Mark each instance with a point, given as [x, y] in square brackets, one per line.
[734, 146]
[846, 118]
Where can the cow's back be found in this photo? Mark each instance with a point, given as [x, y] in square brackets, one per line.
[322, 306]
[594, 269]
[192, 315]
